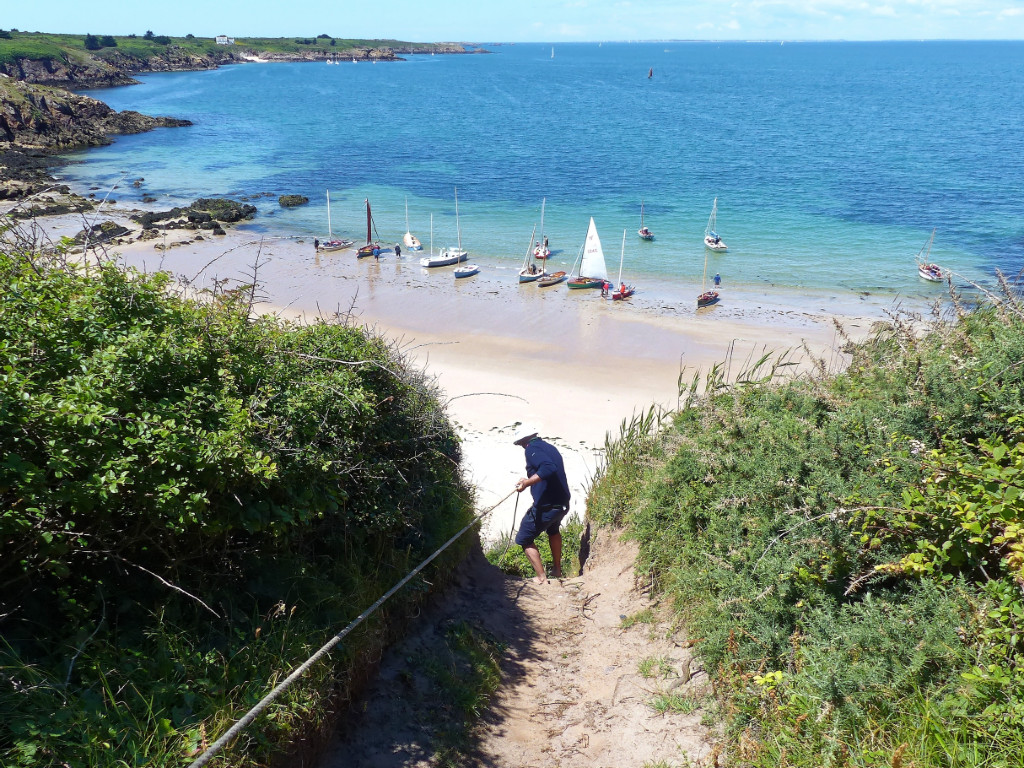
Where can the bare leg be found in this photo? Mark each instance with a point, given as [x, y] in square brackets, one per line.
[533, 555]
[555, 540]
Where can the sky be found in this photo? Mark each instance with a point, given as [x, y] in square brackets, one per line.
[531, 20]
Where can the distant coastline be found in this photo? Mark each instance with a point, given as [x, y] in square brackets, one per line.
[40, 116]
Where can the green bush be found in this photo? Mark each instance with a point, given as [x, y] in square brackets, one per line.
[847, 551]
[191, 501]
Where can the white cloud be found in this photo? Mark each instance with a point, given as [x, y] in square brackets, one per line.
[733, 24]
[884, 10]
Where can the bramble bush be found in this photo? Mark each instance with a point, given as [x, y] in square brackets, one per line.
[846, 551]
[191, 501]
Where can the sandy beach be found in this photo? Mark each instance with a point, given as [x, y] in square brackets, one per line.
[567, 362]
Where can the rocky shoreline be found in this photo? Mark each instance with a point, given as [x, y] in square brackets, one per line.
[40, 118]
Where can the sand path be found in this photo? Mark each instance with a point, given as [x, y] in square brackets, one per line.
[571, 693]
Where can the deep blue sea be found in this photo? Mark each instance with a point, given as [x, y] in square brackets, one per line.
[831, 162]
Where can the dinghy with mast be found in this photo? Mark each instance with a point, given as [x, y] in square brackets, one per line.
[706, 298]
[412, 242]
[926, 269]
[332, 243]
[711, 238]
[371, 248]
[530, 272]
[593, 273]
[644, 232]
[623, 291]
[541, 250]
[449, 255]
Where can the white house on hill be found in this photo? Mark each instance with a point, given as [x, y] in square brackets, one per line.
[225, 40]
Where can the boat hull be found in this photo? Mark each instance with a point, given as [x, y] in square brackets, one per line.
[707, 298]
[586, 282]
[335, 245]
[467, 271]
[549, 280]
[411, 242]
[710, 244]
[529, 277]
[446, 259]
[620, 295]
[645, 234]
[370, 249]
[930, 272]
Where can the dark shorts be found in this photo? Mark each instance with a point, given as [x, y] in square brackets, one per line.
[535, 522]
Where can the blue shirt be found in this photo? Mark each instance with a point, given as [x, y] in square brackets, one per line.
[544, 460]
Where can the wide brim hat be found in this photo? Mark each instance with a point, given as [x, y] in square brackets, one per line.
[522, 432]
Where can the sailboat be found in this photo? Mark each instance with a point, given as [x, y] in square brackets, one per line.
[623, 291]
[332, 244]
[650, 73]
[644, 232]
[371, 248]
[552, 51]
[593, 272]
[927, 270]
[411, 241]
[706, 298]
[449, 255]
[711, 238]
[529, 272]
[541, 250]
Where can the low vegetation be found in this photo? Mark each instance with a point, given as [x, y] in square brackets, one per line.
[847, 551]
[192, 500]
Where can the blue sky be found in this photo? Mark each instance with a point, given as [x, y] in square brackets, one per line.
[531, 20]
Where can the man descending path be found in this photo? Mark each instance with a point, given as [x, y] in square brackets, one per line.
[545, 477]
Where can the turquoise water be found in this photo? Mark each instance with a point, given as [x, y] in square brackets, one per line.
[831, 162]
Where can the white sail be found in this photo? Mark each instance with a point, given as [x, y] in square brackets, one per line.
[593, 264]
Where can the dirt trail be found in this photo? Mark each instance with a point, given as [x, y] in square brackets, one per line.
[571, 695]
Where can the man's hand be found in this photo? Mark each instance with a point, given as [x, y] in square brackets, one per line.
[522, 484]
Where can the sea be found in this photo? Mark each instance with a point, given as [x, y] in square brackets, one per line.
[831, 162]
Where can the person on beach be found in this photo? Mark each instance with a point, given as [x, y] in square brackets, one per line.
[545, 477]
[316, 244]
[398, 251]
[718, 279]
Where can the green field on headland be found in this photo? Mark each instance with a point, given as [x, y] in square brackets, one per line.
[38, 46]
[846, 553]
[192, 501]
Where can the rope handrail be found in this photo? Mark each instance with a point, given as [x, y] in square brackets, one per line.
[281, 687]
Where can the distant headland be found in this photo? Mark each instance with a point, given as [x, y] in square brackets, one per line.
[40, 117]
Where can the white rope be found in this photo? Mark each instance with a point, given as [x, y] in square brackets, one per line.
[251, 715]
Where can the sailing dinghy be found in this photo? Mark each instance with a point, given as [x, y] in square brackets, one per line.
[449, 255]
[530, 272]
[623, 291]
[541, 250]
[929, 271]
[332, 243]
[371, 248]
[412, 242]
[644, 232]
[706, 298]
[593, 272]
[711, 237]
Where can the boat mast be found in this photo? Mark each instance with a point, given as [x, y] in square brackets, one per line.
[431, 235]
[367, 201]
[641, 215]
[543, 200]
[623, 253]
[330, 235]
[407, 215]
[529, 249]
[458, 229]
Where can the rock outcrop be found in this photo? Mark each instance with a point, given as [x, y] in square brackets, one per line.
[38, 116]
